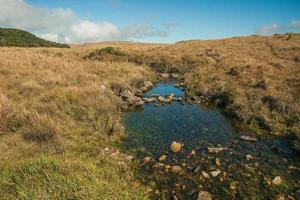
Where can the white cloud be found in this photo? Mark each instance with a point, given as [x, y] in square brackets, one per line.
[277, 28]
[62, 25]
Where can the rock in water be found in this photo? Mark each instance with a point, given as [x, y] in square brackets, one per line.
[248, 138]
[204, 174]
[165, 75]
[162, 158]
[135, 101]
[175, 147]
[218, 162]
[203, 195]
[176, 169]
[148, 85]
[215, 173]
[277, 180]
[215, 149]
[163, 99]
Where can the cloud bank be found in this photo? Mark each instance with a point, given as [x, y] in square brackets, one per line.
[62, 25]
[277, 28]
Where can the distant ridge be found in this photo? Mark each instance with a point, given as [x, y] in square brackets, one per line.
[18, 38]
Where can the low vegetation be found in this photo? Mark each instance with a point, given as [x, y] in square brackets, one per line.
[60, 119]
[19, 38]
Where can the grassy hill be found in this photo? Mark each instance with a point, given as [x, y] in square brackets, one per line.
[19, 38]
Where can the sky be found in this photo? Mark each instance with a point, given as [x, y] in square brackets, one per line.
[163, 21]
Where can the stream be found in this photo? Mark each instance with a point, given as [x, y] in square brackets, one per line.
[267, 168]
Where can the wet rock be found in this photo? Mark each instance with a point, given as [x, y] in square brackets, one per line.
[277, 180]
[148, 85]
[215, 173]
[170, 97]
[158, 165]
[175, 147]
[135, 101]
[174, 75]
[203, 195]
[176, 169]
[147, 159]
[218, 162]
[249, 157]
[248, 138]
[205, 175]
[193, 153]
[149, 100]
[279, 197]
[215, 149]
[162, 158]
[126, 94]
[165, 75]
[163, 99]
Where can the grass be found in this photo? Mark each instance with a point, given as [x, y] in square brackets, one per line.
[60, 119]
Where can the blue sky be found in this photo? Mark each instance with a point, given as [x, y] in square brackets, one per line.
[173, 20]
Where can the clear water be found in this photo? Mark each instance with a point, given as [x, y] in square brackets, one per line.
[150, 132]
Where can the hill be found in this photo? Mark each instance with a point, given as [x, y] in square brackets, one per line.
[19, 38]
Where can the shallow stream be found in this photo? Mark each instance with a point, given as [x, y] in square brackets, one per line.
[246, 169]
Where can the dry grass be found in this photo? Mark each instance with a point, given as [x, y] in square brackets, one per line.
[55, 103]
[58, 111]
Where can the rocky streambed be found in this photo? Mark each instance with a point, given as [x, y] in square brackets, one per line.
[188, 151]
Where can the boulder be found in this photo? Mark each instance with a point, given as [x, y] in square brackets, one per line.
[163, 99]
[170, 97]
[203, 195]
[162, 158]
[218, 162]
[148, 85]
[205, 175]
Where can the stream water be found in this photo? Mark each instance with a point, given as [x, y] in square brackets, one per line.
[246, 169]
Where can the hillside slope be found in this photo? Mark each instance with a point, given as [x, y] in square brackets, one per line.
[19, 38]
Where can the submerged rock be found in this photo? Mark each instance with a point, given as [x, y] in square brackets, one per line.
[248, 138]
[162, 158]
[205, 175]
[175, 147]
[215, 173]
[215, 149]
[277, 180]
[203, 195]
[149, 100]
[176, 169]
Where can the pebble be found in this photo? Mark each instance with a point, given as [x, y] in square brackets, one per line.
[249, 157]
[248, 138]
[218, 162]
[205, 175]
[176, 169]
[215, 149]
[215, 173]
[277, 180]
[162, 158]
[203, 195]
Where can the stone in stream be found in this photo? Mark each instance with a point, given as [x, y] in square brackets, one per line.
[249, 157]
[277, 180]
[165, 75]
[148, 85]
[175, 147]
[162, 158]
[176, 169]
[170, 97]
[126, 94]
[149, 100]
[215, 149]
[248, 138]
[163, 99]
[215, 173]
[193, 153]
[203, 195]
[135, 101]
[218, 162]
[205, 175]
